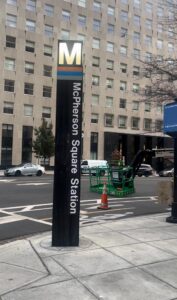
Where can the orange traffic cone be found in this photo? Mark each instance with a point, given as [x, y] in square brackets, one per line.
[104, 198]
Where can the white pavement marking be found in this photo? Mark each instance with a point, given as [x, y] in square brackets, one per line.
[7, 180]
[33, 183]
[10, 219]
[96, 206]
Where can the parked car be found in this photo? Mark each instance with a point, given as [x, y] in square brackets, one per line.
[27, 169]
[167, 172]
[145, 170]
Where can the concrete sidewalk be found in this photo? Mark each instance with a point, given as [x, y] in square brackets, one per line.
[129, 259]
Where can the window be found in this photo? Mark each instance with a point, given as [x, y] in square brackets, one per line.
[46, 112]
[136, 37]
[95, 99]
[47, 50]
[124, 15]
[136, 71]
[124, 1]
[49, 10]
[9, 64]
[159, 28]
[148, 56]
[12, 2]
[47, 91]
[147, 124]
[135, 123]
[95, 61]
[8, 107]
[171, 32]
[159, 44]
[96, 25]
[110, 28]
[97, 6]
[109, 101]
[148, 7]
[170, 47]
[109, 83]
[10, 41]
[81, 37]
[29, 67]
[148, 24]
[136, 53]
[158, 125]
[108, 120]
[47, 71]
[66, 15]
[31, 5]
[29, 47]
[123, 68]
[110, 64]
[123, 32]
[11, 20]
[136, 3]
[28, 88]
[147, 107]
[96, 43]
[123, 50]
[65, 35]
[30, 25]
[110, 47]
[159, 108]
[136, 20]
[122, 103]
[135, 105]
[111, 11]
[123, 85]
[159, 11]
[28, 110]
[7, 141]
[94, 145]
[95, 80]
[135, 87]
[94, 118]
[48, 30]
[82, 21]
[148, 40]
[81, 3]
[9, 85]
[122, 121]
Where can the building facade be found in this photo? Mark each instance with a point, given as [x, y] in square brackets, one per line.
[115, 35]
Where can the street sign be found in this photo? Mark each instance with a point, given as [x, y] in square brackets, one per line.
[170, 119]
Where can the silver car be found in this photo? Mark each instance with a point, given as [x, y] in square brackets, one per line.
[27, 169]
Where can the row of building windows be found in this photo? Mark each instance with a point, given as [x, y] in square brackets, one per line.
[123, 120]
[8, 108]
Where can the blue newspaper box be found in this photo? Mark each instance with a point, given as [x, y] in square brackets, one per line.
[170, 119]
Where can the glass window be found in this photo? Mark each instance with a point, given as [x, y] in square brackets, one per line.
[66, 15]
[123, 32]
[136, 53]
[170, 47]
[159, 27]
[136, 3]
[97, 6]
[109, 82]
[123, 50]
[49, 10]
[109, 101]
[110, 64]
[30, 25]
[111, 11]
[8, 107]
[28, 110]
[82, 21]
[28, 88]
[81, 3]
[135, 87]
[46, 112]
[9, 85]
[159, 44]
[159, 108]
[124, 15]
[135, 105]
[95, 80]
[160, 11]
[148, 40]
[147, 107]
[65, 35]
[47, 91]
[171, 32]
[123, 68]
[123, 85]
[30, 46]
[110, 28]
[11, 20]
[148, 7]
[122, 121]
[96, 43]
[9, 64]
[94, 118]
[31, 5]
[47, 71]
[158, 125]
[147, 124]
[7, 141]
[148, 24]
[122, 103]
[95, 61]
[136, 20]
[10, 41]
[29, 67]
[148, 56]
[48, 30]
[136, 71]
[124, 1]
[47, 50]
[81, 37]
[108, 120]
[135, 123]
[110, 47]
[95, 99]
[12, 2]
[96, 25]
[136, 37]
